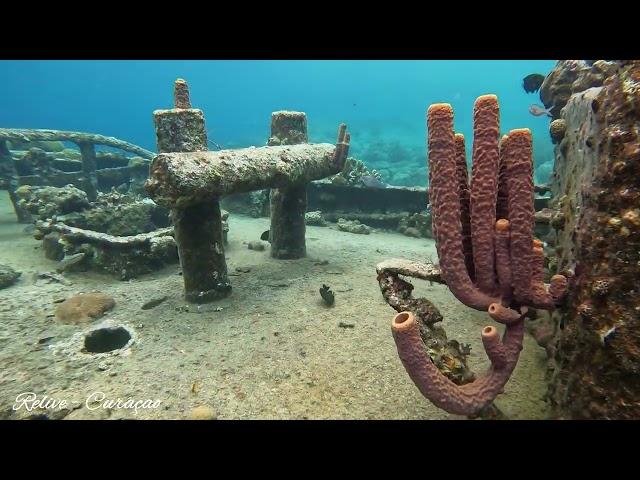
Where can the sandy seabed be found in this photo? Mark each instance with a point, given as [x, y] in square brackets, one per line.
[272, 350]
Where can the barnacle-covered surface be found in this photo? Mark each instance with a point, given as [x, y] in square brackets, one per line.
[113, 213]
[597, 359]
[122, 234]
[570, 77]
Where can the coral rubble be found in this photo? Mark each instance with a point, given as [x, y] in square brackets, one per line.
[353, 226]
[8, 276]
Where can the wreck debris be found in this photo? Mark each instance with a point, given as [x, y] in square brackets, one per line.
[190, 180]
[86, 142]
[70, 260]
[595, 368]
[315, 218]
[181, 94]
[288, 204]
[198, 229]
[27, 135]
[8, 276]
[353, 226]
[124, 256]
[182, 179]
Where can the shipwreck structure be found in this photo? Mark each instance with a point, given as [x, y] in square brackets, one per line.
[190, 180]
[595, 345]
[488, 255]
[90, 172]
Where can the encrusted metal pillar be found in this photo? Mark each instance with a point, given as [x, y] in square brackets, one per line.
[197, 228]
[9, 180]
[89, 166]
[288, 205]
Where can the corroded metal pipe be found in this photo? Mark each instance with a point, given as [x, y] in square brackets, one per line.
[181, 179]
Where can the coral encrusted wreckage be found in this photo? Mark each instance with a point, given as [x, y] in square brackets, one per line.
[190, 180]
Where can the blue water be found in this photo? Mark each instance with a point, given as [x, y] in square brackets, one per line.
[382, 102]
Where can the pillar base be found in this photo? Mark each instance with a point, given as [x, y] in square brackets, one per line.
[288, 206]
[199, 236]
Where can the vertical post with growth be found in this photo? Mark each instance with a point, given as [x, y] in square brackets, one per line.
[197, 228]
[9, 181]
[89, 167]
[288, 205]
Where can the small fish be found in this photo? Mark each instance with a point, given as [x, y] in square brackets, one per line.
[532, 83]
[354, 104]
[265, 235]
[370, 181]
[212, 143]
[537, 110]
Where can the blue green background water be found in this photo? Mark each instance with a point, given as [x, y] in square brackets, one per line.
[382, 102]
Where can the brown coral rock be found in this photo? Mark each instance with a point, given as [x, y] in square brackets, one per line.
[84, 307]
[570, 77]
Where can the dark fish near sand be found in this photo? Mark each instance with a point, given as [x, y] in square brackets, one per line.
[265, 236]
[370, 181]
[538, 111]
[532, 83]
[327, 295]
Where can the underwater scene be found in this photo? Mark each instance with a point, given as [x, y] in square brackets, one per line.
[315, 239]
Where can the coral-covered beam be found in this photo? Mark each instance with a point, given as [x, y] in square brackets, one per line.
[28, 135]
[180, 179]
